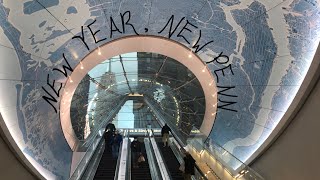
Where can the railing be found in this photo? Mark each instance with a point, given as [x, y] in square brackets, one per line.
[180, 143]
[88, 146]
[162, 167]
[77, 174]
[92, 167]
[206, 146]
[175, 146]
[86, 142]
[160, 118]
[122, 165]
[129, 157]
[153, 166]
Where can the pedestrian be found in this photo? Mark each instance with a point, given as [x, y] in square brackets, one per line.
[136, 151]
[108, 138]
[182, 165]
[111, 127]
[141, 160]
[116, 141]
[189, 164]
[165, 135]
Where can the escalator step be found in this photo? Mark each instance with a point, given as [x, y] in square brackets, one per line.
[171, 162]
[143, 172]
[107, 167]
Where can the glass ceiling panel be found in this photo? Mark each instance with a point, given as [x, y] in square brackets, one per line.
[153, 75]
[135, 114]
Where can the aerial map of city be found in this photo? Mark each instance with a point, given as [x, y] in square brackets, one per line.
[270, 45]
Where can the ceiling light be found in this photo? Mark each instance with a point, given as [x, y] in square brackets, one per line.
[75, 55]
[189, 56]
[81, 65]
[224, 153]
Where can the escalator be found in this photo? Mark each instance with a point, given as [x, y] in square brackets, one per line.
[160, 162]
[107, 166]
[143, 171]
[110, 167]
[171, 161]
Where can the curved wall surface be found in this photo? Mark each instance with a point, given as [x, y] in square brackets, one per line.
[258, 51]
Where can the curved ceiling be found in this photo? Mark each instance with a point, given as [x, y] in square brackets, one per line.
[268, 45]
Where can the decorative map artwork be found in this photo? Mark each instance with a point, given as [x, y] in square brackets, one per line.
[270, 45]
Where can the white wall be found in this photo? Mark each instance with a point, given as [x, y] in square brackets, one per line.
[296, 153]
[10, 167]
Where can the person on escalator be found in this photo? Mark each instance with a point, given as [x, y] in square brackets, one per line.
[108, 138]
[136, 151]
[189, 164]
[116, 141]
[111, 127]
[165, 135]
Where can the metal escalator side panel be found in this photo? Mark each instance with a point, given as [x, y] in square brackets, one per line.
[152, 163]
[123, 160]
[93, 164]
[175, 147]
[176, 150]
[97, 145]
[129, 161]
[107, 166]
[162, 166]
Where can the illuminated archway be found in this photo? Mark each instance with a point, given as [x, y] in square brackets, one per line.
[152, 44]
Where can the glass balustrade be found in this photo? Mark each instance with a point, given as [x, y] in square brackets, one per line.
[213, 154]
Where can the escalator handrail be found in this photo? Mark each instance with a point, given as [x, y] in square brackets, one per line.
[154, 170]
[180, 143]
[117, 165]
[118, 162]
[196, 166]
[79, 173]
[161, 123]
[152, 160]
[102, 125]
[175, 136]
[128, 175]
[162, 167]
[116, 174]
[91, 140]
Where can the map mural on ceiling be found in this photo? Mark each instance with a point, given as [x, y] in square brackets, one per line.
[270, 45]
